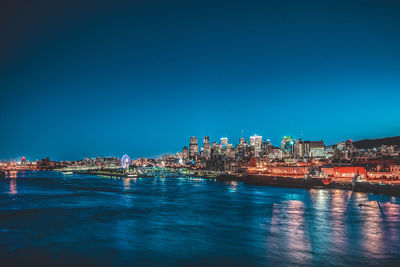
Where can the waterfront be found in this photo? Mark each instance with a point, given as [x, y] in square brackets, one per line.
[51, 218]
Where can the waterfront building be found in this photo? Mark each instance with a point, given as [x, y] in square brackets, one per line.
[193, 148]
[395, 170]
[344, 172]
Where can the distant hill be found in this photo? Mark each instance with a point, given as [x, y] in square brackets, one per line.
[371, 143]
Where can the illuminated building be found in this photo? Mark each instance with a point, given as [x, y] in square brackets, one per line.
[266, 148]
[395, 170]
[224, 141]
[193, 148]
[287, 145]
[341, 146]
[206, 150]
[308, 149]
[317, 149]
[242, 141]
[242, 150]
[185, 153]
[256, 143]
[299, 148]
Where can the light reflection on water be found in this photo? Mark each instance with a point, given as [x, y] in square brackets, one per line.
[233, 186]
[339, 204]
[372, 230]
[128, 182]
[297, 236]
[184, 221]
[13, 186]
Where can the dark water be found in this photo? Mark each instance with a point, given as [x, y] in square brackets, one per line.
[48, 218]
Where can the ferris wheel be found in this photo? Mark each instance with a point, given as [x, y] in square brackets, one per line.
[125, 160]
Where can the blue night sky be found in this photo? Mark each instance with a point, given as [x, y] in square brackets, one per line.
[87, 78]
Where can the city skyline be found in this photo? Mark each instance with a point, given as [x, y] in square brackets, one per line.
[138, 78]
[196, 145]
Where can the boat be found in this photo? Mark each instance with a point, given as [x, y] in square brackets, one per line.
[358, 179]
[67, 173]
[131, 175]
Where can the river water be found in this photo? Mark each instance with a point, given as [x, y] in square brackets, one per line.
[47, 218]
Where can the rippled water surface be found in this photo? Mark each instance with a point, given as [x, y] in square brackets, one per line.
[48, 218]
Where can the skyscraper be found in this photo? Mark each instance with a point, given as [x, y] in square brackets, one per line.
[193, 148]
[256, 143]
[185, 153]
[317, 149]
[300, 148]
[206, 147]
[224, 141]
[287, 142]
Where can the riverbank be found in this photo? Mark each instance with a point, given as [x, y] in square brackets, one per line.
[112, 174]
[366, 187]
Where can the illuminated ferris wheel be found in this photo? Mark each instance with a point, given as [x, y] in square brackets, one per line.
[125, 162]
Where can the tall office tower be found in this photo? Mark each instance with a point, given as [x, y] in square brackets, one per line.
[300, 148]
[193, 148]
[256, 143]
[224, 141]
[241, 141]
[207, 147]
[185, 153]
[287, 143]
[206, 142]
[317, 149]
[266, 147]
[287, 146]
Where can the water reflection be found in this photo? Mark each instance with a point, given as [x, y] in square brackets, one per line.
[273, 242]
[13, 174]
[372, 229]
[128, 183]
[338, 207]
[321, 221]
[13, 186]
[233, 186]
[298, 241]
[392, 218]
[288, 233]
